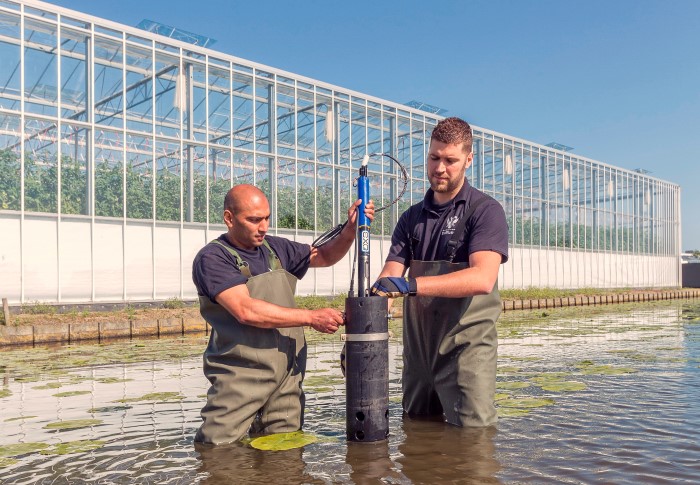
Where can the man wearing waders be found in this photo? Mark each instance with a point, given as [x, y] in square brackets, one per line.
[256, 357]
[452, 244]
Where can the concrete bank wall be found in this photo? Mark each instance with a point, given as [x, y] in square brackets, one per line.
[73, 332]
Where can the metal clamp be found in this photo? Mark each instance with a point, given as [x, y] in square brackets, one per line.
[364, 337]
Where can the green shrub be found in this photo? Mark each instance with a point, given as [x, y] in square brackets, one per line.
[38, 308]
[173, 303]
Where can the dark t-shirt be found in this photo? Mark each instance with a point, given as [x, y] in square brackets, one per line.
[214, 268]
[427, 227]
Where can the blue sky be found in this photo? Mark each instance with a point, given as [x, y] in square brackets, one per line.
[617, 80]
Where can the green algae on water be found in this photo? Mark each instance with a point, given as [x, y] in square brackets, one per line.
[4, 462]
[5, 393]
[71, 393]
[508, 369]
[73, 424]
[18, 449]
[563, 386]
[111, 380]
[283, 441]
[48, 385]
[549, 377]
[79, 446]
[154, 396]
[108, 409]
[18, 418]
[318, 390]
[589, 368]
[325, 380]
[512, 412]
[525, 402]
[510, 385]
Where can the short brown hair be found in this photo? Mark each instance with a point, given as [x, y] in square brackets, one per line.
[453, 131]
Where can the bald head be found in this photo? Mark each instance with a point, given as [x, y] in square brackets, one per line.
[242, 196]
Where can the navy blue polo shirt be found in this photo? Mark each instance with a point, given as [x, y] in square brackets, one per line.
[214, 268]
[425, 228]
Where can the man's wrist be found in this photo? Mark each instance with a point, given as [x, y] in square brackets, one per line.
[412, 286]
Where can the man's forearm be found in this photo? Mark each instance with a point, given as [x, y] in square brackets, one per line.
[460, 284]
[259, 313]
[333, 251]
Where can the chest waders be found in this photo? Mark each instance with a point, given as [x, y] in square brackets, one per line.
[450, 347]
[255, 373]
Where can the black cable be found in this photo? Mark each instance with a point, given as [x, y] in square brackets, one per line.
[328, 235]
[333, 233]
[404, 173]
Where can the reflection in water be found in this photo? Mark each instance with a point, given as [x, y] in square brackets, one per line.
[236, 463]
[435, 452]
[370, 463]
[641, 426]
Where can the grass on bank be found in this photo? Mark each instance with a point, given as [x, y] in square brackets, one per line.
[37, 313]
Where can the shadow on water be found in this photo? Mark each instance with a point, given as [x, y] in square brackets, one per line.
[583, 397]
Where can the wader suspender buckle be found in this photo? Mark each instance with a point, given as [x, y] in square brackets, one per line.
[273, 261]
[459, 229]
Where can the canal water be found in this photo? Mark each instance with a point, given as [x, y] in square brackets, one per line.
[585, 395]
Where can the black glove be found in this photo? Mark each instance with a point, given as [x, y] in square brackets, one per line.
[394, 287]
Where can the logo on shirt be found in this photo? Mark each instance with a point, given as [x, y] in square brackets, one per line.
[450, 224]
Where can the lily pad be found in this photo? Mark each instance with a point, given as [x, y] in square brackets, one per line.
[563, 386]
[73, 424]
[512, 385]
[283, 441]
[154, 396]
[80, 446]
[18, 418]
[71, 393]
[5, 393]
[501, 395]
[21, 449]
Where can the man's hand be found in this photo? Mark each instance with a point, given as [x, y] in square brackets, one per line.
[394, 287]
[352, 211]
[327, 320]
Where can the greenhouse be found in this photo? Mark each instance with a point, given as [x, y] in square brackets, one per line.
[117, 145]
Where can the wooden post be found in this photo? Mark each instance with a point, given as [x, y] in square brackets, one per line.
[6, 311]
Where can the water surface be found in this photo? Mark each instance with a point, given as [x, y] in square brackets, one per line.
[585, 395]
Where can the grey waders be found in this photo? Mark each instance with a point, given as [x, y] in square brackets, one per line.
[450, 348]
[255, 373]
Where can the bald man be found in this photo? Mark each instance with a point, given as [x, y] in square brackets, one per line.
[256, 357]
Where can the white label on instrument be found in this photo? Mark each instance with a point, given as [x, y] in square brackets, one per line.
[365, 241]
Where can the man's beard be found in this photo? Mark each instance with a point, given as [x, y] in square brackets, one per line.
[446, 186]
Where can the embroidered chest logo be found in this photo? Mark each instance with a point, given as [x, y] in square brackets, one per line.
[450, 224]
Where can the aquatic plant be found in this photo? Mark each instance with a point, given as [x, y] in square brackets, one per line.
[79, 446]
[283, 441]
[73, 424]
